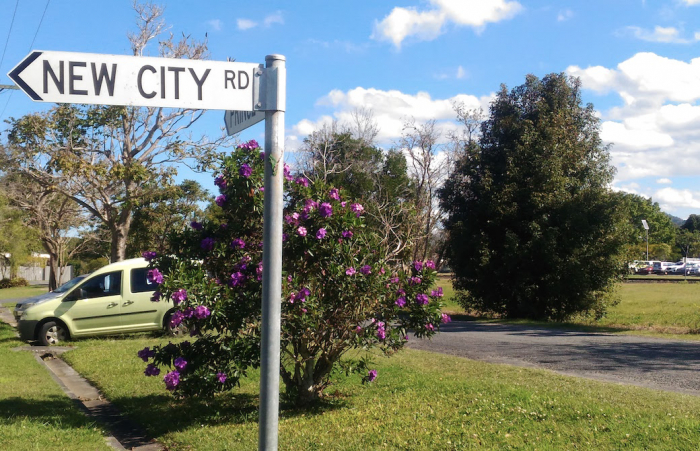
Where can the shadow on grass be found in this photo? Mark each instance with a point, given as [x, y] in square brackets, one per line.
[53, 410]
[163, 414]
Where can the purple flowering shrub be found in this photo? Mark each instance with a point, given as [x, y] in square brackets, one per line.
[339, 293]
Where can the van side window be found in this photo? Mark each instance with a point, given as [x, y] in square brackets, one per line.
[109, 284]
[139, 282]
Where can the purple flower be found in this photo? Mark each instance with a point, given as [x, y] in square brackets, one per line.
[208, 243]
[321, 234]
[221, 376]
[180, 363]
[401, 292]
[358, 329]
[372, 375]
[179, 296]
[245, 170]
[394, 279]
[446, 318]
[401, 302]
[430, 264]
[382, 271]
[238, 243]
[422, 298]
[418, 265]
[156, 296]
[151, 370]
[429, 327]
[347, 234]
[176, 318]
[201, 312]
[196, 225]
[366, 270]
[381, 334]
[149, 255]
[437, 293]
[287, 173]
[334, 194]
[146, 353]
[237, 279]
[301, 231]
[350, 271]
[310, 204]
[303, 294]
[415, 281]
[302, 181]
[325, 210]
[188, 313]
[220, 181]
[154, 276]
[262, 155]
[220, 200]
[172, 379]
[343, 204]
[285, 237]
[357, 209]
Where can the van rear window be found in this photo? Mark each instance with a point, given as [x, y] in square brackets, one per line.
[139, 282]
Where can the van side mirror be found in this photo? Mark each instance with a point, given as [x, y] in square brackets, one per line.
[75, 295]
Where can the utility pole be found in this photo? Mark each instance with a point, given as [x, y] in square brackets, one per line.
[646, 227]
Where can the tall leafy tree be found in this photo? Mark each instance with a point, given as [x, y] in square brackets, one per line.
[111, 159]
[692, 224]
[662, 230]
[533, 229]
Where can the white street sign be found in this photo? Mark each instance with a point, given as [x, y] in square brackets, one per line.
[67, 77]
[237, 121]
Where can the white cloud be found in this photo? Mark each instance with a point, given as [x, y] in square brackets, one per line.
[461, 73]
[672, 199]
[246, 24]
[215, 24]
[667, 35]
[565, 15]
[664, 181]
[273, 19]
[691, 2]
[655, 130]
[390, 108]
[427, 25]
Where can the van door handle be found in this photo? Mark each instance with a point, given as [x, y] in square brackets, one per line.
[112, 304]
[128, 303]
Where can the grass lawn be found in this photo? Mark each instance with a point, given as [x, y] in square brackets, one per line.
[419, 401]
[22, 292]
[662, 309]
[34, 412]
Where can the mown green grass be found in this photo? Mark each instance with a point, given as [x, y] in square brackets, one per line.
[34, 412]
[420, 401]
[659, 309]
[22, 292]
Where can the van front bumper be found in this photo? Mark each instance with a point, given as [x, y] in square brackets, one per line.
[27, 329]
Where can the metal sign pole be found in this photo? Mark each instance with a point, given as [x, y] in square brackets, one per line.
[272, 254]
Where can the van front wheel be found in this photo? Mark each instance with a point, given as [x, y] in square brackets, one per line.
[52, 334]
[174, 331]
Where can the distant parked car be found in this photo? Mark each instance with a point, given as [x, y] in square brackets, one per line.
[646, 270]
[677, 268]
[662, 267]
[692, 269]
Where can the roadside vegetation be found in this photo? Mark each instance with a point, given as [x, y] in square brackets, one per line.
[418, 401]
[22, 292]
[34, 412]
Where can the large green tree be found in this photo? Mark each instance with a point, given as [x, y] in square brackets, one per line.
[662, 230]
[534, 230]
[692, 224]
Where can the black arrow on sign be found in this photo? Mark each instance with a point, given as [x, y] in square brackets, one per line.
[14, 75]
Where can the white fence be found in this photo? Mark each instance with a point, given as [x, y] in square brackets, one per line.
[37, 274]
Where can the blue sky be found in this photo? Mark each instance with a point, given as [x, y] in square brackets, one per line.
[639, 62]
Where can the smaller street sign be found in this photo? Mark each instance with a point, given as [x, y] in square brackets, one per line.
[644, 223]
[237, 121]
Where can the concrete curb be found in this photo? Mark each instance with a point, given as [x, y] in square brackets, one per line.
[125, 435]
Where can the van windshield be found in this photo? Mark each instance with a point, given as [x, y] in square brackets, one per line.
[70, 284]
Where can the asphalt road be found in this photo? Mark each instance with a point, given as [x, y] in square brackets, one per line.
[649, 362]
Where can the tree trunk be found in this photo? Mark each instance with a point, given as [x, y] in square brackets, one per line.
[54, 272]
[120, 232]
